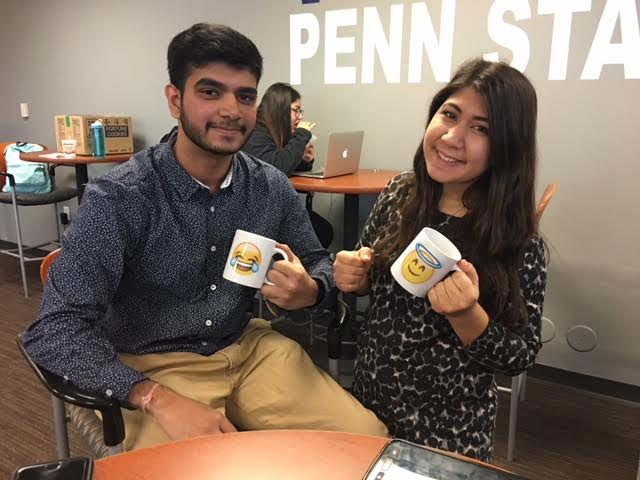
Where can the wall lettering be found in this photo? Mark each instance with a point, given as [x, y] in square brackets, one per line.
[432, 39]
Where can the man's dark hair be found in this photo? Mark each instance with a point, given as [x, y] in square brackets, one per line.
[205, 43]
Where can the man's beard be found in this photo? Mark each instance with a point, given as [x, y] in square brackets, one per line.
[198, 138]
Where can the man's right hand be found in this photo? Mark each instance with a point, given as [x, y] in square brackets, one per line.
[351, 269]
[179, 416]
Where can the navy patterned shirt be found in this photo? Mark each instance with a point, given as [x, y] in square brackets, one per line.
[141, 266]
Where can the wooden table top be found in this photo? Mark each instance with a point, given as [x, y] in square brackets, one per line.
[264, 455]
[360, 183]
[77, 160]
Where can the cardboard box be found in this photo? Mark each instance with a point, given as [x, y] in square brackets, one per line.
[118, 133]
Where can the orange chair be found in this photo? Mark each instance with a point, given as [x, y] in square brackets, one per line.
[29, 199]
[46, 263]
[517, 388]
[103, 435]
[548, 193]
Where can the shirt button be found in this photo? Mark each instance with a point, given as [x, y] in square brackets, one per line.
[213, 248]
[213, 287]
[213, 209]
[108, 392]
[208, 323]
[204, 344]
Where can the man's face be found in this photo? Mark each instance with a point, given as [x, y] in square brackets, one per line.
[217, 109]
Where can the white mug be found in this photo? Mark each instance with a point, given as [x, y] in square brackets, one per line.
[249, 259]
[427, 260]
[68, 145]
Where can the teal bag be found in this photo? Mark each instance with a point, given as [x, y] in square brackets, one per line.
[30, 177]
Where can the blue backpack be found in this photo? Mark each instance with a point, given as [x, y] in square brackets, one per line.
[30, 177]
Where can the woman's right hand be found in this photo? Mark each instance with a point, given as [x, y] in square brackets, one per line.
[306, 125]
[351, 270]
[308, 154]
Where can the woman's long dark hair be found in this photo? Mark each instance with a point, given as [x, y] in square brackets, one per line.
[274, 111]
[500, 204]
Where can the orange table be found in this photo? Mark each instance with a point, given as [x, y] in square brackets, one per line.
[363, 182]
[264, 455]
[80, 163]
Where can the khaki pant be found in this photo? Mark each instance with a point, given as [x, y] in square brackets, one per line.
[263, 381]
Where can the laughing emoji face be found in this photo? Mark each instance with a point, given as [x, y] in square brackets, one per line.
[246, 258]
[418, 265]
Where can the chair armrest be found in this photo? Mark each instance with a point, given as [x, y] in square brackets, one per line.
[109, 408]
[335, 329]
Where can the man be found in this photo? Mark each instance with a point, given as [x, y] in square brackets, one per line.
[136, 307]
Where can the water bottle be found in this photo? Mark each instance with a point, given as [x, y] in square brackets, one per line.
[97, 138]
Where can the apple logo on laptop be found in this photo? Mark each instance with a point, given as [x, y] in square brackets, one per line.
[345, 153]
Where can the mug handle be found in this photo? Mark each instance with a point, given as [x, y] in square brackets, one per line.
[284, 255]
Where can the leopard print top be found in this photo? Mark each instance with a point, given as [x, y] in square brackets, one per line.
[412, 369]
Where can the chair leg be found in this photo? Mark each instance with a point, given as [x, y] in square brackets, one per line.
[523, 385]
[20, 250]
[514, 399]
[57, 217]
[60, 424]
[334, 369]
[260, 306]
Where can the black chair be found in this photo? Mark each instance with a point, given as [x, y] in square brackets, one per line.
[29, 199]
[104, 434]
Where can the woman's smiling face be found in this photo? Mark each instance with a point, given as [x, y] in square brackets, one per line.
[456, 141]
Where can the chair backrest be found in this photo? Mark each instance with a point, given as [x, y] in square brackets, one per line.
[3, 161]
[544, 200]
[104, 434]
[46, 263]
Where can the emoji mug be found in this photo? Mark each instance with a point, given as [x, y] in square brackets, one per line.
[426, 261]
[250, 259]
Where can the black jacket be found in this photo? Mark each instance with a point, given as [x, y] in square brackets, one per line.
[287, 159]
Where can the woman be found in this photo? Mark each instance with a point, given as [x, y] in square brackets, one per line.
[426, 366]
[281, 136]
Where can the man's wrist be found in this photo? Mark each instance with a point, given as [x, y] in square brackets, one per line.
[147, 397]
[141, 394]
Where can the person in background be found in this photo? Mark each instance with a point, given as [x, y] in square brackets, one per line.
[135, 306]
[426, 366]
[281, 136]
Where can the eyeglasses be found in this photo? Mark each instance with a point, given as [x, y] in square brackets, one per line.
[298, 111]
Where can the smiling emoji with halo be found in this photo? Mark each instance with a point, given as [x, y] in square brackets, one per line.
[246, 258]
[418, 265]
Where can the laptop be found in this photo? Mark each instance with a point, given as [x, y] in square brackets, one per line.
[343, 156]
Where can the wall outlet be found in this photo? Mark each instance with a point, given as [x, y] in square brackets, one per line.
[65, 216]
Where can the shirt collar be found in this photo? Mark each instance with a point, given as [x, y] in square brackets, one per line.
[226, 181]
[176, 175]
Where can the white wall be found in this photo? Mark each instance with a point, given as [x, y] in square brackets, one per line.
[75, 56]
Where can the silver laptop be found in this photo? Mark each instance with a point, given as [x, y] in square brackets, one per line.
[343, 155]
